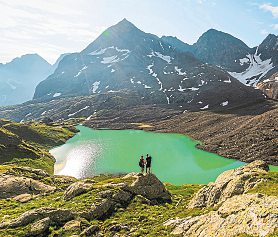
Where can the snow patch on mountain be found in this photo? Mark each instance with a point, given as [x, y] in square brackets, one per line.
[205, 107]
[84, 68]
[193, 88]
[159, 55]
[102, 51]
[181, 89]
[244, 60]
[257, 67]
[225, 103]
[57, 94]
[95, 86]
[178, 70]
[86, 107]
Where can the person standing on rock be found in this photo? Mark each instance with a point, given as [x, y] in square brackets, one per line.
[149, 162]
[142, 163]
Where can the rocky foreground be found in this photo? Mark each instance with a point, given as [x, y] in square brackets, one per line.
[241, 202]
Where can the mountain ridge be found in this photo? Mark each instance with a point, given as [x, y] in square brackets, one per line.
[124, 57]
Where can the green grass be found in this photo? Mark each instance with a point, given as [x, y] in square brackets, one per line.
[137, 215]
[27, 144]
[269, 186]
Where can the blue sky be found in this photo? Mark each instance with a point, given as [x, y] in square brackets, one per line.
[53, 27]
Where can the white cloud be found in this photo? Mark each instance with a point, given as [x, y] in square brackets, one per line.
[275, 26]
[264, 32]
[268, 7]
[48, 28]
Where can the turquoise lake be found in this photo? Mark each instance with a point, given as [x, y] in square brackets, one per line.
[175, 158]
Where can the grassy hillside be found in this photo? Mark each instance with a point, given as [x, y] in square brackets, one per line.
[27, 144]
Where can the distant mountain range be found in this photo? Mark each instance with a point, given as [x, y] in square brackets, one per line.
[126, 58]
[19, 78]
[219, 71]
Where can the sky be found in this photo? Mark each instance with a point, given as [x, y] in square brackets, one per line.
[50, 28]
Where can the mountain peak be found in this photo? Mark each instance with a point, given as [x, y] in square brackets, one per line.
[123, 25]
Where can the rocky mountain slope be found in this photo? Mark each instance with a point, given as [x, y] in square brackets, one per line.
[19, 78]
[270, 86]
[126, 58]
[248, 65]
[138, 205]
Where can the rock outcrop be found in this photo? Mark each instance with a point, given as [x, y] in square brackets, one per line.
[11, 186]
[28, 172]
[56, 216]
[78, 188]
[253, 214]
[270, 86]
[228, 184]
[150, 187]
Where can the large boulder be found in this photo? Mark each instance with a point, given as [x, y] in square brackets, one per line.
[78, 188]
[253, 214]
[56, 216]
[150, 187]
[11, 186]
[228, 184]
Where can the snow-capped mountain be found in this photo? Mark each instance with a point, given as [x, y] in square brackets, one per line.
[124, 58]
[248, 65]
[19, 78]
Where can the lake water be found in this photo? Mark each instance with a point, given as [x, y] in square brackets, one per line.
[175, 158]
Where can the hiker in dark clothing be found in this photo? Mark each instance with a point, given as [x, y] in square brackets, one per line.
[142, 163]
[148, 165]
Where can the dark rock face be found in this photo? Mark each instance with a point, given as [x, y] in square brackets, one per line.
[125, 58]
[219, 48]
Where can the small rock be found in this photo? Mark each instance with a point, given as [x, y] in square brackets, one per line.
[122, 197]
[118, 228]
[23, 197]
[106, 194]
[78, 188]
[73, 224]
[143, 200]
[102, 210]
[93, 229]
[118, 185]
[40, 227]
